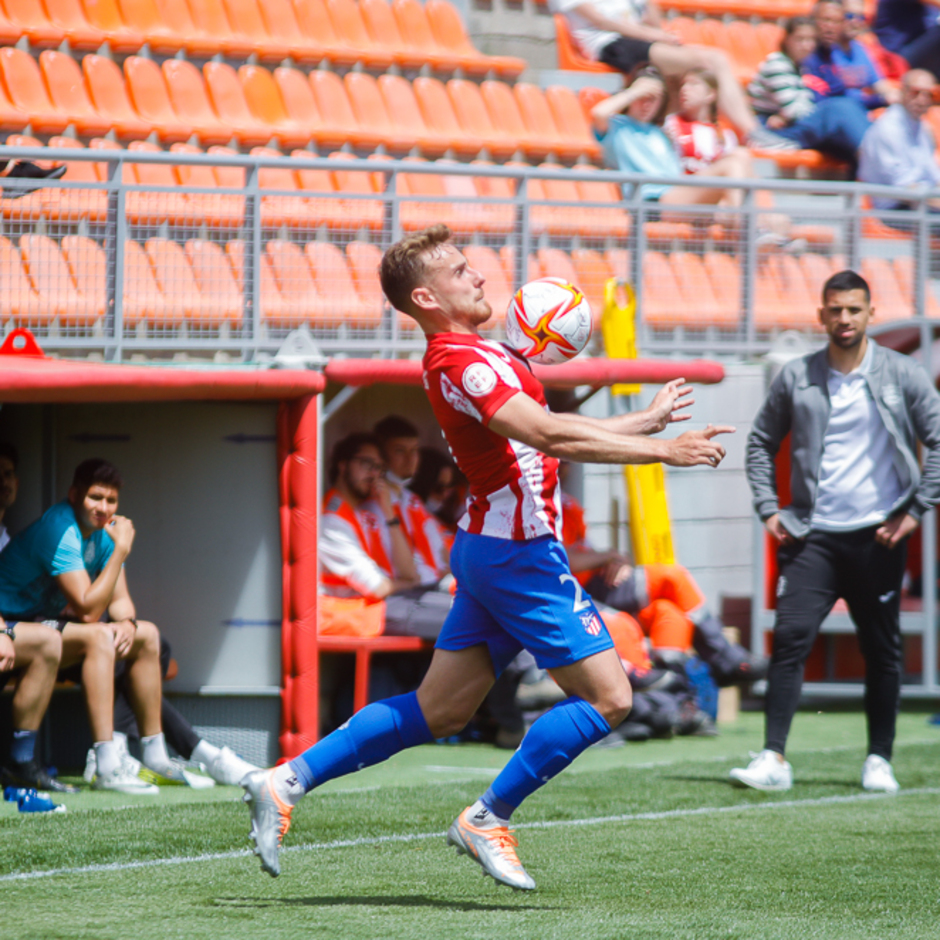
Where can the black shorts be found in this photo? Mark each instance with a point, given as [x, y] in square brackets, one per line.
[625, 54]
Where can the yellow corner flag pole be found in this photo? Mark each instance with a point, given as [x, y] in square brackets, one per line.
[650, 528]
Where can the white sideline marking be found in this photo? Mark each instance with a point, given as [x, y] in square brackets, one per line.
[422, 836]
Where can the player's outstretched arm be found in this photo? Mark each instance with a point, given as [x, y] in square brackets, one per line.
[521, 418]
[667, 407]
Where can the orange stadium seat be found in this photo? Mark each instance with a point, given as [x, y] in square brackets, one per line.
[904, 272]
[109, 95]
[103, 169]
[413, 25]
[564, 220]
[705, 307]
[773, 308]
[504, 112]
[104, 15]
[211, 19]
[174, 275]
[383, 28]
[364, 258]
[28, 18]
[17, 296]
[145, 17]
[439, 115]
[449, 32]
[295, 280]
[404, 110]
[218, 210]
[350, 29]
[24, 85]
[316, 27]
[607, 219]
[75, 204]
[68, 94]
[663, 303]
[11, 118]
[88, 265]
[886, 295]
[498, 287]
[618, 260]
[362, 211]
[769, 37]
[143, 299]
[52, 280]
[557, 263]
[147, 90]
[280, 20]
[292, 211]
[471, 111]
[724, 272]
[274, 308]
[570, 56]
[267, 106]
[152, 208]
[302, 109]
[30, 206]
[817, 269]
[331, 211]
[215, 280]
[479, 215]
[337, 287]
[246, 20]
[190, 99]
[336, 110]
[570, 120]
[179, 21]
[70, 17]
[507, 257]
[687, 29]
[435, 206]
[500, 215]
[540, 122]
[370, 111]
[592, 274]
[228, 101]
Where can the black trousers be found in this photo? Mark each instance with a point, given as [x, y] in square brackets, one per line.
[814, 574]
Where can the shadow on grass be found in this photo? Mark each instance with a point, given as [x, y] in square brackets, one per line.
[417, 900]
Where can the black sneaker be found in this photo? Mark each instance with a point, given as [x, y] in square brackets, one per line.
[24, 169]
[752, 669]
[633, 731]
[31, 774]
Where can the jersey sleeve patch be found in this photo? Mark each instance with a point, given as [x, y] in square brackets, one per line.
[478, 379]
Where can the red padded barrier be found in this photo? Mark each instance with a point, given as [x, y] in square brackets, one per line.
[297, 429]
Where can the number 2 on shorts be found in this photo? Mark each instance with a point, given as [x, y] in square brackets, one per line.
[580, 603]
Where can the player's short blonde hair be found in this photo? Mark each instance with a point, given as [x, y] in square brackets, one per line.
[404, 265]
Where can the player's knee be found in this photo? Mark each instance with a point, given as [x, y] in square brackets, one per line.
[447, 718]
[616, 705]
[50, 647]
[99, 640]
[148, 637]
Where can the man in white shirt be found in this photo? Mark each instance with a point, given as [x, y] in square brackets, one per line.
[856, 413]
[9, 485]
[626, 33]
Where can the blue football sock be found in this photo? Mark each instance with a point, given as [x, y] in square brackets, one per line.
[23, 748]
[372, 735]
[550, 745]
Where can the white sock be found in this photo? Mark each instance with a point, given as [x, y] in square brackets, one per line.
[107, 757]
[154, 752]
[205, 753]
[286, 784]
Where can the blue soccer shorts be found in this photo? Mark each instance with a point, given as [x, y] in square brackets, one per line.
[513, 595]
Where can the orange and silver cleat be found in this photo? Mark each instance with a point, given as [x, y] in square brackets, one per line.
[489, 842]
[270, 819]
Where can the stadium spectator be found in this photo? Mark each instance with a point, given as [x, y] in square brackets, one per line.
[781, 98]
[9, 486]
[65, 572]
[442, 487]
[855, 412]
[889, 64]
[840, 65]
[898, 149]
[910, 28]
[626, 33]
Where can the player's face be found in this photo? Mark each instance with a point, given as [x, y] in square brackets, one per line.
[456, 288]
[9, 483]
[402, 455]
[97, 506]
[830, 20]
[845, 317]
[361, 472]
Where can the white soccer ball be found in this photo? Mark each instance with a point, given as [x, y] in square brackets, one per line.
[549, 321]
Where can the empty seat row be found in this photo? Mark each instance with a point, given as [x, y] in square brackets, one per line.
[375, 33]
[762, 9]
[254, 106]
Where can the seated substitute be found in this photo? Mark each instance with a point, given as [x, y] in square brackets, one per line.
[9, 486]
[65, 572]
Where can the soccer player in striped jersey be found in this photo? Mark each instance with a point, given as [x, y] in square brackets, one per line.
[515, 589]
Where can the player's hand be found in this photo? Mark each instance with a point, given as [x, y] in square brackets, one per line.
[121, 529]
[124, 632]
[775, 527]
[7, 653]
[697, 448]
[895, 529]
[666, 407]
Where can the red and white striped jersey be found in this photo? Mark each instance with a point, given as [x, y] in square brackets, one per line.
[514, 491]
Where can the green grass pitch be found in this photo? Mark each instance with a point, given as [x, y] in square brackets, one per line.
[644, 841]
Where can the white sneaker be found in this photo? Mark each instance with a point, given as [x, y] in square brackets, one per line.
[228, 768]
[878, 775]
[764, 772]
[121, 781]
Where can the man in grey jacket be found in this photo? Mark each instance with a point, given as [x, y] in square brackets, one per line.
[855, 412]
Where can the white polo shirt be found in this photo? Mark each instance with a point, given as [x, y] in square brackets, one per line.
[588, 37]
[858, 484]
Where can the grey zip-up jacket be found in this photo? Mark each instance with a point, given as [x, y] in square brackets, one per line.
[798, 403]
